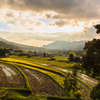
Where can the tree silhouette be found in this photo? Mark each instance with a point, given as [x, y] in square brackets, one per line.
[91, 58]
[95, 93]
[98, 28]
[71, 56]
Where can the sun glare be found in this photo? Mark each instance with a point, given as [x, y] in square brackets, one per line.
[74, 29]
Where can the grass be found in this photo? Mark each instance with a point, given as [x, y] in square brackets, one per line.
[60, 61]
[26, 80]
[33, 65]
[84, 83]
[38, 67]
[57, 78]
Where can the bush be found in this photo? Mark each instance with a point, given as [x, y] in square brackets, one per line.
[77, 94]
[71, 56]
[77, 66]
[52, 58]
[95, 93]
[70, 82]
[77, 59]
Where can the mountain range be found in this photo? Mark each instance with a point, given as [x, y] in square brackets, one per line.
[63, 45]
[57, 45]
[7, 44]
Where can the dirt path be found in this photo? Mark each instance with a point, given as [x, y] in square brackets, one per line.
[10, 76]
[42, 84]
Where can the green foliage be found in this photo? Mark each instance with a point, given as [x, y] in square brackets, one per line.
[91, 58]
[51, 58]
[95, 93]
[58, 79]
[98, 28]
[60, 61]
[77, 66]
[3, 51]
[26, 80]
[18, 50]
[71, 56]
[77, 59]
[70, 82]
[77, 94]
[84, 83]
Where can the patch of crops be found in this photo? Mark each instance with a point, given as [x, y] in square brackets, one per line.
[55, 77]
[33, 65]
[10, 77]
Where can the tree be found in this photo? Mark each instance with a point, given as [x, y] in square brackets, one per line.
[98, 28]
[95, 93]
[91, 58]
[70, 82]
[77, 59]
[3, 51]
[44, 54]
[71, 56]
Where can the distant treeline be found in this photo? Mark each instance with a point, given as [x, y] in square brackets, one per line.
[65, 52]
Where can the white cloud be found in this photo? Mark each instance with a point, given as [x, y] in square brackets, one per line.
[68, 16]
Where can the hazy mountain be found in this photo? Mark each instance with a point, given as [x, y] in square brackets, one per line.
[63, 45]
[26, 47]
[8, 44]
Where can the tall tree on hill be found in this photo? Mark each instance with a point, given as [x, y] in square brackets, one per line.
[91, 58]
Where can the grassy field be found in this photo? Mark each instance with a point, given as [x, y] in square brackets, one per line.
[36, 64]
[60, 61]
[29, 63]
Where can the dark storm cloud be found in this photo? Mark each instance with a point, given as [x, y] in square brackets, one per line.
[77, 9]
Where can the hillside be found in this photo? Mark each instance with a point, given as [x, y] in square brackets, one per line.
[26, 47]
[8, 44]
[63, 45]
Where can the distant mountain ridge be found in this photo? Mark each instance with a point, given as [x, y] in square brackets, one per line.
[63, 45]
[7, 44]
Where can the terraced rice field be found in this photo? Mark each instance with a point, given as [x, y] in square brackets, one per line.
[10, 77]
[42, 84]
[39, 80]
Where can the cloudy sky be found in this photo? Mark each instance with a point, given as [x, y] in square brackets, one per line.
[39, 22]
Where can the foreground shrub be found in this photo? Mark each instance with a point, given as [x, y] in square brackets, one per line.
[95, 93]
[77, 66]
[77, 94]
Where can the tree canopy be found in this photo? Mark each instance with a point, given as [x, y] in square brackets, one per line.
[98, 28]
[71, 56]
[91, 59]
[95, 93]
